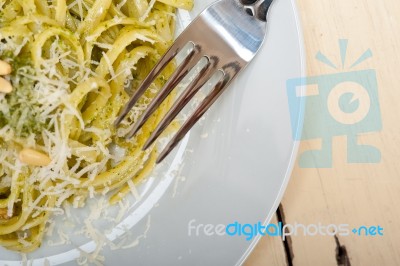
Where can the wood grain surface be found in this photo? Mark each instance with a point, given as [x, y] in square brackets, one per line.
[355, 194]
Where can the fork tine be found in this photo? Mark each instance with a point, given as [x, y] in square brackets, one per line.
[189, 62]
[166, 58]
[203, 107]
[205, 74]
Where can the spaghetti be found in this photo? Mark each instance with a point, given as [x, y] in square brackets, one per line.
[72, 62]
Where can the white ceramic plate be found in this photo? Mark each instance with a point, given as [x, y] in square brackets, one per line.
[234, 167]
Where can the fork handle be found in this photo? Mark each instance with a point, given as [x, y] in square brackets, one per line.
[257, 8]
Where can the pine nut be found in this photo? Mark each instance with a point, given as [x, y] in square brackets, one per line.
[5, 86]
[5, 68]
[4, 214]
[34, 158]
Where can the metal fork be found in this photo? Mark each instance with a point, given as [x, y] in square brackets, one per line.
[228, 34]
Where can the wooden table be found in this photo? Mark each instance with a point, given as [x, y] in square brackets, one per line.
[356, 194]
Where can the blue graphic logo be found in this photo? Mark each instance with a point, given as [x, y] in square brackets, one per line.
[339, 104]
